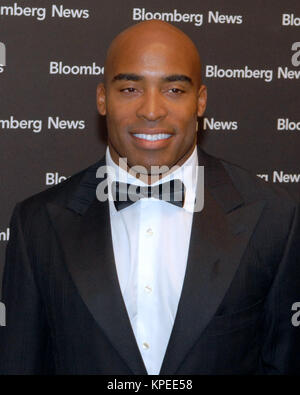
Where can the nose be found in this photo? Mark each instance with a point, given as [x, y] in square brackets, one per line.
[152, 106]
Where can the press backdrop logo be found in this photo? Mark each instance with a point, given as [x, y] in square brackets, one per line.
[286, 72]
[41, 13]
[2, 57]
[246, 72]
[290, 20]
[212, 17]
[284, 123]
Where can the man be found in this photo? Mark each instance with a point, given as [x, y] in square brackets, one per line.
[153, 286]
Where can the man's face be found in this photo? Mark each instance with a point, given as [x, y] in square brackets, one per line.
[151, 100]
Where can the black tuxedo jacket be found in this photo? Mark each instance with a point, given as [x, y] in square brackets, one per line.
[65, 312]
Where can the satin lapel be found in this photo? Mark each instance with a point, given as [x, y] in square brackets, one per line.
[85, 235]
[220, 234]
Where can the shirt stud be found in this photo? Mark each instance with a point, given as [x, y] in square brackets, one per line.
[149, 232]
[146, 346]
[148, 289]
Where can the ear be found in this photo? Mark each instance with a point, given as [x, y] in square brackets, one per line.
[202, 99]
[101, 99]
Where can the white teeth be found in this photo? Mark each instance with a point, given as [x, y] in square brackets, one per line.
[153, 137]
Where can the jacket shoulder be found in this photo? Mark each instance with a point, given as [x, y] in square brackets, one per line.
[253, 188]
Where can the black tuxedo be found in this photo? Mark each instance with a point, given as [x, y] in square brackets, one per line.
[65, 312]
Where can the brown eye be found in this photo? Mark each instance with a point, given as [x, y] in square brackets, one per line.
[176, 90]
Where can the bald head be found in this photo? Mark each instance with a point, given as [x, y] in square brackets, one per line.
[152, 87]
[153, 35]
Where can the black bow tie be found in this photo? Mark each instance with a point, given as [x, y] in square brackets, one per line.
[126, 194]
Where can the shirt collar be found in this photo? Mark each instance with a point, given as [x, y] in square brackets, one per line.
[187, 173]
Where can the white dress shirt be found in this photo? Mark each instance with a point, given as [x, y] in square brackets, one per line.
[150, 241]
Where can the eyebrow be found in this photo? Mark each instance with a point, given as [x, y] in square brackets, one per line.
[178, 77]
[136, 77]
[127, 77]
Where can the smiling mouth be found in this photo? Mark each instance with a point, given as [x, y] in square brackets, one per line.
[152, 137]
